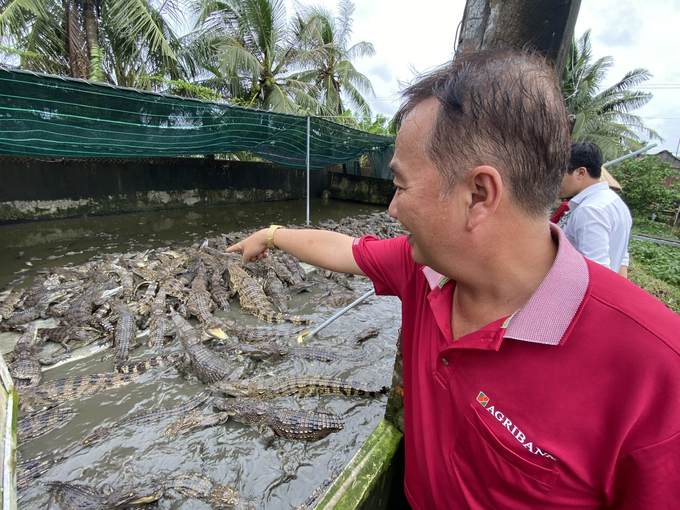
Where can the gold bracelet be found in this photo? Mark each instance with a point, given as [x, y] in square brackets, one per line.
[270, 235]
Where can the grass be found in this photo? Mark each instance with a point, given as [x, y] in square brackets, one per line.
[656, 267]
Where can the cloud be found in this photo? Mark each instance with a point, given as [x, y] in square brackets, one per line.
[413, 37]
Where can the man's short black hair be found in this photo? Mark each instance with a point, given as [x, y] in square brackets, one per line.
[588, 155]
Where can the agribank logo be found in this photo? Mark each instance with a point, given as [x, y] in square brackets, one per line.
[511, 427]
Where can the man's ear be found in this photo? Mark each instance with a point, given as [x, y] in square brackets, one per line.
[581, 172]
[486, 188]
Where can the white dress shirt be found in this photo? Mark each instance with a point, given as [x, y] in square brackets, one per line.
[598, 226]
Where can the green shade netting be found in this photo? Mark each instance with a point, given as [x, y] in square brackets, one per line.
[55, 117]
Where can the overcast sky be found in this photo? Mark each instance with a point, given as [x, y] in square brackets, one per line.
[415, 35]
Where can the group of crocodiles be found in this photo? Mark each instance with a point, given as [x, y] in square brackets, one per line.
[161, 294]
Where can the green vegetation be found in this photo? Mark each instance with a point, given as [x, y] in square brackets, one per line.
[656, 267]
[117, 41]
[643, 185]
[603, 116]
[246, 52]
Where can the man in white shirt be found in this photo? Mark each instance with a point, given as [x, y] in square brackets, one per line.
[598, 222]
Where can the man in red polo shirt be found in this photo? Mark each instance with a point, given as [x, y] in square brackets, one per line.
[533, 378]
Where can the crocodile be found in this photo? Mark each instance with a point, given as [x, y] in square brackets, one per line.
[156, 415]
[293, 264]
[367, 333]
[159, 326]
[173, 287]
[143, 306]
[75, 496]
[298, 385]
[51, 393]
[80, 311]
[334, 299]
[208, 365]
[25, 368]
[201, 305]
[308, 425]
[9, 303]
[144, 418]
[34, 292]
[195, 421]
[125, 333]
[253, 299]
[101, 316]
[274, 352]
[219, 497]
[30, 470]
[282, 272]
[253, 333]
[125, 278]
[35, 425]
[217, 290]
[32, 313]
[163, 361]
[340, 278]
[275, 290]
[78, 336]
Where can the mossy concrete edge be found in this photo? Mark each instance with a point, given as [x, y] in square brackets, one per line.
[364, 471]
[9, 403]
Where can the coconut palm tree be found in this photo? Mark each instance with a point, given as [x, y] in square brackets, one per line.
[249, 53]
[328, 57]
[603, 116]
[104, 40]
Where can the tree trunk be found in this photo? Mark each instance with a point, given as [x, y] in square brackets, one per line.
[91, 32]
[78, 60]
[546, 26]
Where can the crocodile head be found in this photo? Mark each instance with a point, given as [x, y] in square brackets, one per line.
[262, 350]
[138, 496]
[224, 496]
[248, 409]
[233, 388]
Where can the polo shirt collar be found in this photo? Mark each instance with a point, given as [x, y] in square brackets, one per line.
[594, 188]
[549, 312]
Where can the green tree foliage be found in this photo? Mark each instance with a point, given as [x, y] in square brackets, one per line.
[249, 53]
[643, 185]
[118, 41]
[603, 116]
[381, 125]
[327, 55]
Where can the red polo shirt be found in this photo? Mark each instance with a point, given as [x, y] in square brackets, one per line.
[572, 402]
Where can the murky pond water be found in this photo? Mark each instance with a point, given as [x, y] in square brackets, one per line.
[280, 476]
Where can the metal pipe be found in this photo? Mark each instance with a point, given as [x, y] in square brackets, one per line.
[348, 307]
[618, 160]
[307, 160]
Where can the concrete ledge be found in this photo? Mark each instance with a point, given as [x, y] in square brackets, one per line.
[366, 481]
[369, 190]
[9, 402]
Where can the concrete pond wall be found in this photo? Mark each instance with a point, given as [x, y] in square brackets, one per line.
[34, 189]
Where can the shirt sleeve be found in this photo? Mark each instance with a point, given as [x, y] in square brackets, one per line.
[388, 263]
[589, 232]
[648, 477]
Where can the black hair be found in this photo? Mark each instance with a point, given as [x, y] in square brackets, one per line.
[588, 155]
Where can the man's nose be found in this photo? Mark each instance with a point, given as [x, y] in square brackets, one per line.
[392, 210]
